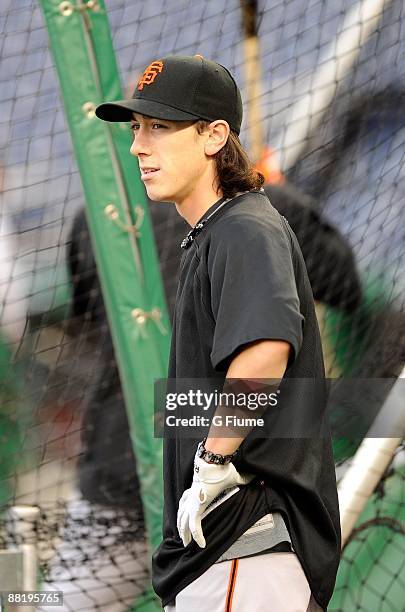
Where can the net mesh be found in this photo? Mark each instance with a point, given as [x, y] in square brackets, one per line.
[342, 193]
[371, 572]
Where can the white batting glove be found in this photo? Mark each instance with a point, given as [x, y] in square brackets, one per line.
[209, 480]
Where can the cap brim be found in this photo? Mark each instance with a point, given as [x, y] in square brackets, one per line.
[122, 110]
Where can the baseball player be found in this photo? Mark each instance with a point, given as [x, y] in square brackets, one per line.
[251, 520]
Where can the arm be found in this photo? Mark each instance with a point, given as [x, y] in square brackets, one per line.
[265, 359]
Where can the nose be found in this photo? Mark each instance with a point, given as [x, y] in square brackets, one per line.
[140, 145]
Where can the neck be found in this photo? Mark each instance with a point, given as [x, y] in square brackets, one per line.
[193, 209]
[194, 204]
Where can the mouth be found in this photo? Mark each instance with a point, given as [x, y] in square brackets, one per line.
[148, 173]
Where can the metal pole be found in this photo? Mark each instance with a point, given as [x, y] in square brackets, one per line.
[372, 458]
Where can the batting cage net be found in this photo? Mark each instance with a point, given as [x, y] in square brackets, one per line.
[323, 86]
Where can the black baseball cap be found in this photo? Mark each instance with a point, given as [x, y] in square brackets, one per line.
[181, 88]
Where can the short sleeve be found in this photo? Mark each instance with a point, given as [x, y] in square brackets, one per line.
[253, 289]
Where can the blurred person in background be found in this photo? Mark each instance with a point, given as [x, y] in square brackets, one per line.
[102, 561]
[328, 256]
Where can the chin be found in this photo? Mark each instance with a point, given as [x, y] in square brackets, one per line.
[158, 197]
[161, 201]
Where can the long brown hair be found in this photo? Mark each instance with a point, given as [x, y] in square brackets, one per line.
[235, 171]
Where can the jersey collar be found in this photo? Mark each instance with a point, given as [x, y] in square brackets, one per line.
[188, 240]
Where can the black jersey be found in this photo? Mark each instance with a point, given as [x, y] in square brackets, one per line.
[242, 279]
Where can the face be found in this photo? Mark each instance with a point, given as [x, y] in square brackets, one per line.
[171, 156]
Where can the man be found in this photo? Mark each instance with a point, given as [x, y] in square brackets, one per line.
[244, 310]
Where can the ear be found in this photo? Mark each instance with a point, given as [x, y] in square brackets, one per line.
[217, 136]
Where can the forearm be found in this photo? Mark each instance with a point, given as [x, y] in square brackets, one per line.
[265, 359]
[223, 446]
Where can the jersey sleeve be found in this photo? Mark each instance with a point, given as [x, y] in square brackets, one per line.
[253, 289]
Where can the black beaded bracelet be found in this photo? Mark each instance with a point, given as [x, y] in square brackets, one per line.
[211, 457]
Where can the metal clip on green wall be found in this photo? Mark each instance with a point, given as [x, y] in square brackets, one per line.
[120, 229]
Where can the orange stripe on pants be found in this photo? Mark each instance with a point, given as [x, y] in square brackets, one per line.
[231, 585]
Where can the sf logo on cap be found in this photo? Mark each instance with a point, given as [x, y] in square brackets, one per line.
[150, 74]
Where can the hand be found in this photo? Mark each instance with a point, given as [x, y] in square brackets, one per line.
[209, 480]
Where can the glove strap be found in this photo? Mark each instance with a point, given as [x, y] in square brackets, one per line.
[210, 457]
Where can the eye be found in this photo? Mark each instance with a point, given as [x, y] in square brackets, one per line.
[158, 126]
[135, 127]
